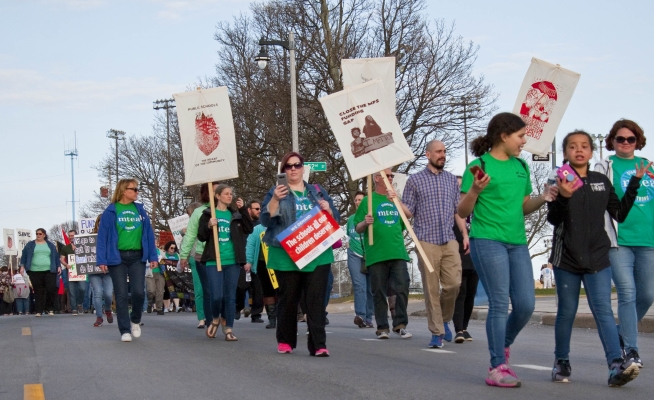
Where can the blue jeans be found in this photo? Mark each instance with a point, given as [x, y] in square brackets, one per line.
[103, 288]
[76, 291]
[598, 293]
[363, 301]
[633, 274]
[132, 266]
[86, 304]
[22, 306]
[506, 274]
[222, 286]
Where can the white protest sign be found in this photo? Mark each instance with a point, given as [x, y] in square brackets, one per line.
[207, 133]
[543, 98]
[362, 70]
[176, 225]
[365, 127]
[399, 182]
[9, 244]
[86, 226]
[72, 270]
[22, 237]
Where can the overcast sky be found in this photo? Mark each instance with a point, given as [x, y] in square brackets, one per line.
[80, 66]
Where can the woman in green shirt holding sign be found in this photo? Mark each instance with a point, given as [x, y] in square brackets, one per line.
[283, 206]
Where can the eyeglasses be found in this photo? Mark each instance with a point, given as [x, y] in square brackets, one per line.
[622, 139]
[389, 176]
[291, 166]
[257, 209]
[39, 233]
[172, 248]
[136, 190]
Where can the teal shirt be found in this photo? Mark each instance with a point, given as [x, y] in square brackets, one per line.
[41, 258]
[355, 238]
[638, 228]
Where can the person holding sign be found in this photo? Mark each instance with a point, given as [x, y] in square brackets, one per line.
[233, 228]
[499, 195]
[281, 208]
[41, 261]
[125, 243]
[386, 259]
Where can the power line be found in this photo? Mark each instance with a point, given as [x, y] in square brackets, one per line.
[44, 177]
[28, 209]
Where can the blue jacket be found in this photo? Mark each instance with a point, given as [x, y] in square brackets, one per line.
[286, 212]
[253, 247]
[107, 244]
[28, 253]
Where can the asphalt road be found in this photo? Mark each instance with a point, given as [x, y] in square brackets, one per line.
[174, 360]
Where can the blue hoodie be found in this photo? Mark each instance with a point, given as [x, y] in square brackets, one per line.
[107, 245]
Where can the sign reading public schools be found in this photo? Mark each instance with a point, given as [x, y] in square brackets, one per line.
[207, 134]
[85, 254]
[312, 234]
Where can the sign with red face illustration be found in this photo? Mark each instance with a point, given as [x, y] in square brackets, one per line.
[542, 101]
[207, 133]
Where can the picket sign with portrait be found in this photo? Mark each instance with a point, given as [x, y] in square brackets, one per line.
[361, 70]
[23, 236]
[9, 243]
[208, 140]
[85, 254]
[364, 110]
[73, 274]
[543, 98]
[177, 225]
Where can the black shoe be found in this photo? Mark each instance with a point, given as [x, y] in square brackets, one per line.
[633, 356]
[561, 371]
[149, 309]
[460, 337]
[160, 312]
[237, 315]
[246, 312]
[466, 335]
[326, 321]
[622, 372]
[257, 320]
[358, 321]
[272, 324]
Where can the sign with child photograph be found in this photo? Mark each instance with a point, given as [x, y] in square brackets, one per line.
[365, 127]
[73, 275]
[85, 254]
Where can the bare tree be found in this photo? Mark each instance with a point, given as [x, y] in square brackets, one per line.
[536, 224]
[55, 232]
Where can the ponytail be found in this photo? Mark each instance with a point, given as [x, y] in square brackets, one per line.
[506, 123]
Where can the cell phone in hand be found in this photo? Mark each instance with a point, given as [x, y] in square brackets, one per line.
[281, 179]
[476, 171]
[566, 173]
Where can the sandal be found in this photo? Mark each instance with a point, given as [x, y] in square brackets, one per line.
[201, 325]
[212, 329]
[229, 336]
[223, 323]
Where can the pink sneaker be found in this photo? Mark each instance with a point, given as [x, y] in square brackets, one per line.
[502, 376]
[284, 348]
[507, 355]
[322, 353]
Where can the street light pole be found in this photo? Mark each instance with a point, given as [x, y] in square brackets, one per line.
[116, 135]
[166, 105]
[600, 138]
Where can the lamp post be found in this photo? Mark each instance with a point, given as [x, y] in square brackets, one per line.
[262, 59]
[466, 102]
[188, 198]
[599, 138]
[166, 105]
[116, 135]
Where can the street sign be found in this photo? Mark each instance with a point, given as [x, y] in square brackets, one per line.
[536, 157]
[317, 166]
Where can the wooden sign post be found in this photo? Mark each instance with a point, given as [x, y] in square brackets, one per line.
[370, 241]
[212, 204]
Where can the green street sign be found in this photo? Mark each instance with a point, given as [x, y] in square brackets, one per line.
[317, 166]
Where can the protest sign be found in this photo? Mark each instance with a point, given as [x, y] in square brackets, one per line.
[312, 234]
[399, 182]
[86, 226]
[9, 244]
[365, 127]
[85, 254]
[22, 237]
[73, 274]
[176, 225]
[543, 98]
[178, 280]
[271, 273]
[362, 70]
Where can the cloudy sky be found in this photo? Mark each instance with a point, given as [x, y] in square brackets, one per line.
[76, 66]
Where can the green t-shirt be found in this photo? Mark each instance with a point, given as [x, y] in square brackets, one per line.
[225, 245]
[129, 225]
[638, 228]
[41, 258]
[387, 230]
[498, 212]
[278, 258]
[355, 238]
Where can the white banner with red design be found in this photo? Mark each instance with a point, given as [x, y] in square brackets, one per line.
[9, 244]
[542, 101]
[361, 70]
[366, 129]
[309, 237]
[177, 225]
[206, 128]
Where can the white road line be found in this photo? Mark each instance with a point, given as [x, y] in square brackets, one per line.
[531, 366]
[438, 351]
[374, 340]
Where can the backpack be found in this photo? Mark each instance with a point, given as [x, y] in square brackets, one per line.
[21, 290]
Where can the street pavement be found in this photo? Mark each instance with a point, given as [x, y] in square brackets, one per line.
[173, 360]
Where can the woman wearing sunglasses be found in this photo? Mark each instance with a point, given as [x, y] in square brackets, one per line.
[281, 207]
[125, 243]
[41, 261]
[632, 241]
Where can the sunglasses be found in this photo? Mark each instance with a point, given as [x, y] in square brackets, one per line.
[390, 176]
[136, 190]
[257, 209]
[39, 233]
[622, 139]
[291, 166]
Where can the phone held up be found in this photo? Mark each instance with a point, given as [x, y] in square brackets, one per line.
[566, 173]
[281, 179]
[477, 171]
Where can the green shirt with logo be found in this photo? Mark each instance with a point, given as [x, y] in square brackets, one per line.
[498, 212]
[225, 244]
[129, 225]
[387, 230]
[354, 238]
[638, 228]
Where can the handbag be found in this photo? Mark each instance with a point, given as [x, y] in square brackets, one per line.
[8, 295]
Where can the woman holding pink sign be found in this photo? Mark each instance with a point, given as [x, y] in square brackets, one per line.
[281, 208]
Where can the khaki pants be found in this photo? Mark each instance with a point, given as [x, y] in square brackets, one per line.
[155, 285]
[441, 286]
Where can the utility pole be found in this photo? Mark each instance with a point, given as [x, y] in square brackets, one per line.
[166, 105]
[599, 138]
[72, 154]
[116, 135]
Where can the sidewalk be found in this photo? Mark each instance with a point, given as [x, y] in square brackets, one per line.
[544, 312]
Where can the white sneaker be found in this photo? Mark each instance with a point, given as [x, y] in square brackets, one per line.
[382, 335]
[126, 337]
[404, 334]
[136, 330]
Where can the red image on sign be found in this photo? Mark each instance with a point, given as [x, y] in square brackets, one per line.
[207, 135]
[537, 107]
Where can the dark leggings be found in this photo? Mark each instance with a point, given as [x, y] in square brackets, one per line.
[45, 290]
[465, 301]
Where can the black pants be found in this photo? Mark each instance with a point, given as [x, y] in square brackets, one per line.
[45, 290]
[291, 285]
[465, 301]
[256, 296]
[264, 278]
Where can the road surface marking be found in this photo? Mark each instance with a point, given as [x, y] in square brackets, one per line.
[33, 392]
[531, 366]
[27, 331]
[438, 351]
[374, 340]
